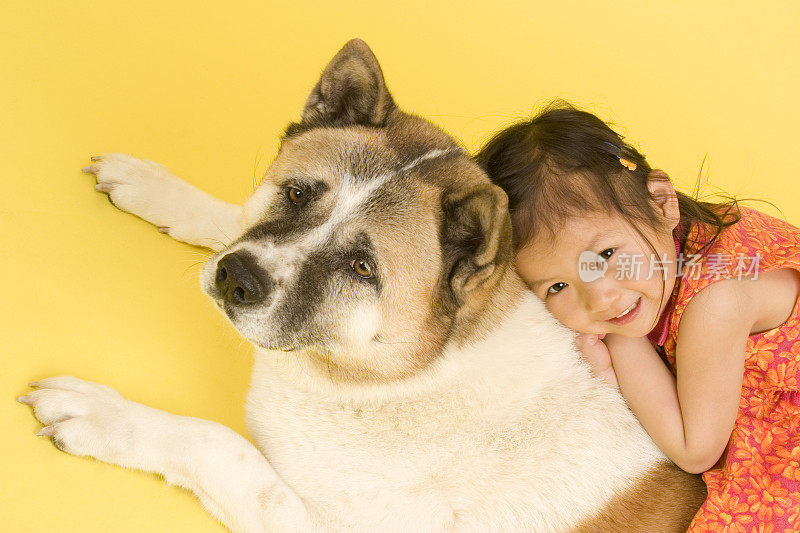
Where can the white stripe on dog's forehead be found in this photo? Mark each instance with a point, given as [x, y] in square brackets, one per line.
[433, 154]
[351, 196]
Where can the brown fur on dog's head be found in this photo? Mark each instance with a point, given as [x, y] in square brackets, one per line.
[381, 189]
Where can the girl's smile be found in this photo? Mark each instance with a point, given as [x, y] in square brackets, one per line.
[629, 314]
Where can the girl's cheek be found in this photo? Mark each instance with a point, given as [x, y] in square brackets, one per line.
[570, 312]
[564, 313]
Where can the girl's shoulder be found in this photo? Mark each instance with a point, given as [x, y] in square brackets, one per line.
[755, 244]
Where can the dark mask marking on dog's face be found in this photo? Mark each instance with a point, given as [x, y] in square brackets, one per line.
[308, 308]
[285, 219]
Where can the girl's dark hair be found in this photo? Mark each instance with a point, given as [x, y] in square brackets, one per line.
[565, 162]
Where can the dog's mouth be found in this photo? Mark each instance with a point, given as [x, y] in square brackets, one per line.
[240, 321]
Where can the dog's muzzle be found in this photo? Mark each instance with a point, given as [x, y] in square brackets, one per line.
[237, 281]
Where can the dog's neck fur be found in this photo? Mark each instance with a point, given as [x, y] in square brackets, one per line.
[488, 307]
[505, 318]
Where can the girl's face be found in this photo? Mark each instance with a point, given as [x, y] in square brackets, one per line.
[623, 297]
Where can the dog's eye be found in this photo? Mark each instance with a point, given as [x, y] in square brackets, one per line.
[361, 267]
[295, 195]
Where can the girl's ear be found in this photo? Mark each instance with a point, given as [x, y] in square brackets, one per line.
[663, 198]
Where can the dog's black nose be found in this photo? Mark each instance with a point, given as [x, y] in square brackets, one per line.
[236, 280]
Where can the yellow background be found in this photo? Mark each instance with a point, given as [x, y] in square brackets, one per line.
[206, 89]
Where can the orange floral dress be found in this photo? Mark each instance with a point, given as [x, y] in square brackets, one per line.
[755, 486]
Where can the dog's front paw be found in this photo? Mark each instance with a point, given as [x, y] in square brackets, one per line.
[85, 418]
[137, 186]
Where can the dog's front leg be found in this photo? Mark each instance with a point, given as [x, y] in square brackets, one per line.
[150, 191]
[232, 479]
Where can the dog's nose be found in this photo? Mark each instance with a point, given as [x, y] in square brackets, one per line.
[236, 280]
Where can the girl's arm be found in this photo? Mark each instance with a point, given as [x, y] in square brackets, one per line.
[691, 417]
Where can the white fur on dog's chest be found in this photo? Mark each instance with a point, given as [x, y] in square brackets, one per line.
[524, 432]
[368, 465]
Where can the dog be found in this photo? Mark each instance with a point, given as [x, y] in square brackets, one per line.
[405, 379]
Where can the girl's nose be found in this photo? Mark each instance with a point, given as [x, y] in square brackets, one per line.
[599, 298]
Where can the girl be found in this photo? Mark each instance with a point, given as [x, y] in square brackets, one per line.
[649, 276]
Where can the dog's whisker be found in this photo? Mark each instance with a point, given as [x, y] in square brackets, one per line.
[194, 261]
[228, 237]
[204, 255]
[193, 265]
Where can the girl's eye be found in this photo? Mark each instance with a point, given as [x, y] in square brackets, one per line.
[556, 287]
[361, 267]
[608, 252]
[295, 195]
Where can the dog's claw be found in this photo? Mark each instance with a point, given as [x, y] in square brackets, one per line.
[163, 229]
[96, 158]
[103, 187]
[25, 399]
[89, 170]
[46, 431]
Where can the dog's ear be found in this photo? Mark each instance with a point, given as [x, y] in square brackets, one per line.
[476, 237]
[350, 91]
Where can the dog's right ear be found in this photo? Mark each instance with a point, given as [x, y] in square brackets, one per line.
[351, 91]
